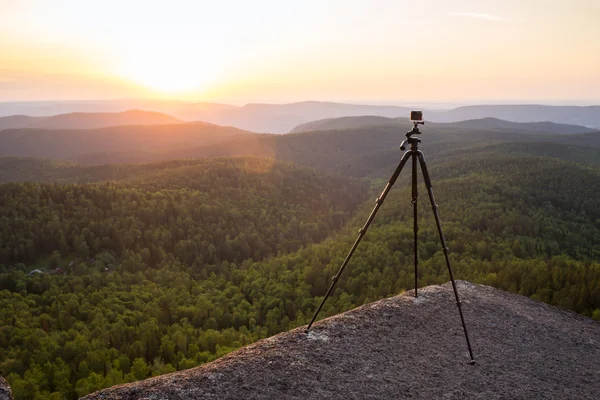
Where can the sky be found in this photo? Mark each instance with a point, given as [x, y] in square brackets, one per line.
[377, 51]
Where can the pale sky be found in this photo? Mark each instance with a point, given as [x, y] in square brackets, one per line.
[290, 50]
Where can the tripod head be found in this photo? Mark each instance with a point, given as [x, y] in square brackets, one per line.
[414, 131]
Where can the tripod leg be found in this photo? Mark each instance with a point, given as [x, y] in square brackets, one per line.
[362, 232]
[434, 207]
[415, 197]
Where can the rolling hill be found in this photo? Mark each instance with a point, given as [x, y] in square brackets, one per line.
[80, 120]
[580, 154]
[104, 145]
[18, 121]
[232, 187]
[585, 140]
[17, 169]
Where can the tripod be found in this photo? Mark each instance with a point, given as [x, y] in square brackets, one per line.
[415, 154]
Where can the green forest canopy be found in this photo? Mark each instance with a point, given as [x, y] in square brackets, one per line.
[179, 263]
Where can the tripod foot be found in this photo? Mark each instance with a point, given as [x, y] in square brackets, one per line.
[306, 331]
[472, 362]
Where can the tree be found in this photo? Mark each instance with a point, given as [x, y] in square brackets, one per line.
[139, 369]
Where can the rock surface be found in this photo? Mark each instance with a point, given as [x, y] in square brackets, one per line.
[402, 347]
[5, 392]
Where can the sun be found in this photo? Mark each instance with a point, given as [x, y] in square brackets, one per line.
[169, 73]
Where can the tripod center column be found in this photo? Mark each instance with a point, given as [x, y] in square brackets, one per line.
[414, 200]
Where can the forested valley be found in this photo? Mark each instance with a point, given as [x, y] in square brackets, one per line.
[112, 274]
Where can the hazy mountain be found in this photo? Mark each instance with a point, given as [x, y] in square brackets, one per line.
[398, 347]
[48, 108]
[80, 120]
[484, 124]
[348, 123]
[496, 124]
[180, 109]
[269, 118]
[18, 121]
[101, 120]
[281, 118]
[585, 116]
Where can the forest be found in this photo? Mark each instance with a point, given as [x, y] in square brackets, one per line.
[111, 274]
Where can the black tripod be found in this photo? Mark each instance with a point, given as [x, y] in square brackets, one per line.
[416, 154]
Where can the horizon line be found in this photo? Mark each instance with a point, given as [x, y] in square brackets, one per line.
[381, 103]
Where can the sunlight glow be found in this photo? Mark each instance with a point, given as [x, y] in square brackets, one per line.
[168, 72]
[279, 51]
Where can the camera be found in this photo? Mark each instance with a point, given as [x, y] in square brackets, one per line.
[416, 116]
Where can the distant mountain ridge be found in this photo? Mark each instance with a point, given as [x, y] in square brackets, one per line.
[487, 123]
[588, 116]
[491, 123]
[18, 121]
[347, 123]
[281, 118]
[82, 120]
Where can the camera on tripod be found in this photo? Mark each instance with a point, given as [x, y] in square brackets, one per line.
[417, 159]
[416, 116]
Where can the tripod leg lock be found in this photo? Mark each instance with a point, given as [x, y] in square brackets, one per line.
[379, 201]
[335, 278]
[361, 231]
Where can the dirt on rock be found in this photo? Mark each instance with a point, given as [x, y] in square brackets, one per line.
[406, 347]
